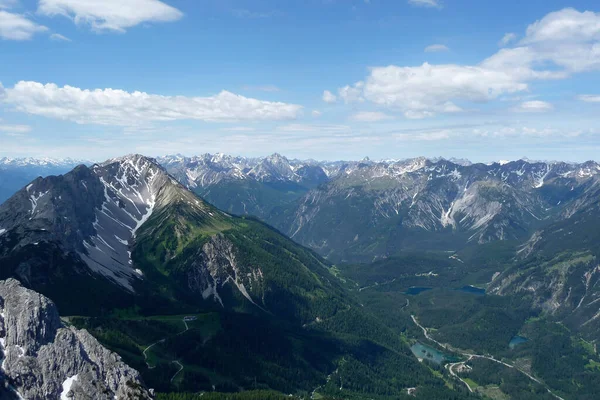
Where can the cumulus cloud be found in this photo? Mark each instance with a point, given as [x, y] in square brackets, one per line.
[18, 27]
[421, 91]
[350, 94]
[110, 15]
[560, 44]
[590, 98]
[370, 116]
[329, 97]
[122, 108]
[426, 3]
[534, 106]
[566, 25]
[436, 48]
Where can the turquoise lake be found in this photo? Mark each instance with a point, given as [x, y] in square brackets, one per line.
[425, 352]
[517, 340]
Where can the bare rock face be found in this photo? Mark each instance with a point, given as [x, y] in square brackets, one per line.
[217, 265]
[43, 359]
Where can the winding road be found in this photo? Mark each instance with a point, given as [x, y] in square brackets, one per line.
[148, 348]
[180, 369]
[471, 356]
[187, 328]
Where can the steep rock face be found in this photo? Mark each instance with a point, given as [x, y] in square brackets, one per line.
[92, 214]
[42, 359]
[559, 269]
[216, 265]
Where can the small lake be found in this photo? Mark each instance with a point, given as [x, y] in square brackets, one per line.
[472, 289]
[517, 340]
[425, 352]
[416, 290]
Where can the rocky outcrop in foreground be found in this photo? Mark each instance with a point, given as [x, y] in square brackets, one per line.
[43, 359]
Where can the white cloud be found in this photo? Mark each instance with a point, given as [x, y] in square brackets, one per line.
[316, 113]
[121, 108]
[351, 94]
[565, 25]
[18, 27]
[507, 38]
[110, 15]
[590, 98]
[329, 97]
[422, 91]
[569, 39]
[534, 106]
[370, 116]
[436, 48]
[426, 3]
[560, 44]
[15, 129]
[59, 38]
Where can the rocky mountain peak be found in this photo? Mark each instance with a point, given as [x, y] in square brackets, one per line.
[94, 212]
[44, 359]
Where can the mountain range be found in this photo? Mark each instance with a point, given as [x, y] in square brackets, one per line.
[168, 263]
[365, 210]
[122, 246]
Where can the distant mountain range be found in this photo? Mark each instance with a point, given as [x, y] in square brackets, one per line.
[18, 172]
[364, 210]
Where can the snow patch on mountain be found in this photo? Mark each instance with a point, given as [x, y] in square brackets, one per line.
[66, 387]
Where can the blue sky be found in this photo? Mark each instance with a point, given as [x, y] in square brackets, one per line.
[324, 79]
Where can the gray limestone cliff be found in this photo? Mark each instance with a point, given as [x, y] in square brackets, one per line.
[44, 359]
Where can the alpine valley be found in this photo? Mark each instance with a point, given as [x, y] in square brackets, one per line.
[222, 277]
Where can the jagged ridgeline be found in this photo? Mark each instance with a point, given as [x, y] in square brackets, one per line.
[128, 253]
[125, 233]
[365, 210]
